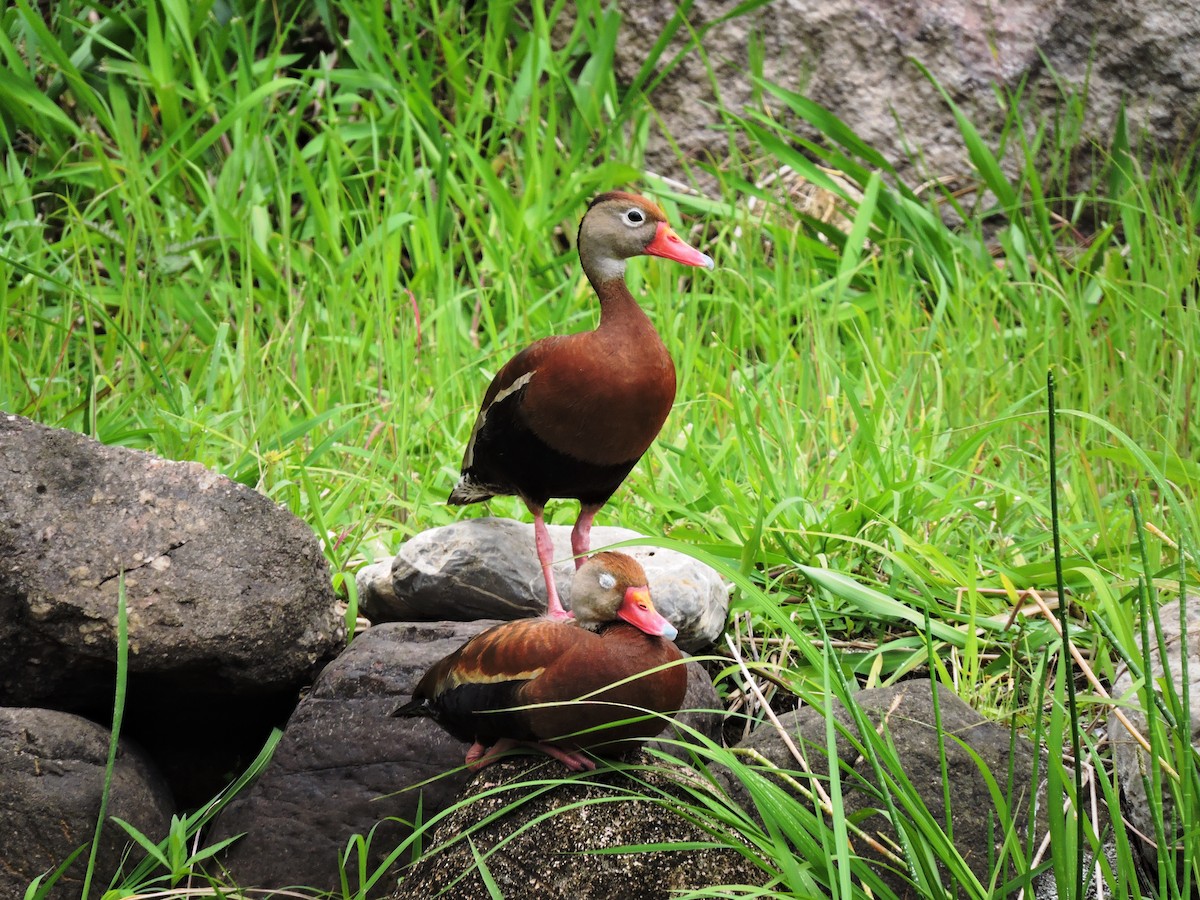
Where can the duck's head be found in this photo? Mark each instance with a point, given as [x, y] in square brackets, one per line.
[611, 587]
[617, 226]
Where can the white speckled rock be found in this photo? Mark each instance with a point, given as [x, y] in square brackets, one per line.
[488, 569]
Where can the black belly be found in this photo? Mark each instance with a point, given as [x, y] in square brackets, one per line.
[510, 459]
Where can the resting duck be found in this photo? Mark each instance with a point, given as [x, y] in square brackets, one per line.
[570, 415]
[488, 691]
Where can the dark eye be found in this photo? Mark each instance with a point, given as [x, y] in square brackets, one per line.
[634, 217]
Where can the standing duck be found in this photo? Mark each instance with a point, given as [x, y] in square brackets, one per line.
[570, 415]
[562, 687]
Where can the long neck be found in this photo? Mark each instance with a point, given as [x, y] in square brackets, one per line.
[602, 269]
[618, 309]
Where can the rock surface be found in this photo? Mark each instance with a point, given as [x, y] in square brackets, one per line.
[229, 599]
[856, 57]
[488, 568]
[907, 709]
[1130, 762]
[345, 767]
[702, 711]
[550, 859]
[51, 780]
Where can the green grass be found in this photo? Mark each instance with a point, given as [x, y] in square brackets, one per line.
[300, 261]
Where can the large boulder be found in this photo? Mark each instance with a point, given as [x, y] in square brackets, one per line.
[906, 712]
[551, 845]
[344, 766]
[229, 599]
[488, 569]
[859, 59]
[51, 781]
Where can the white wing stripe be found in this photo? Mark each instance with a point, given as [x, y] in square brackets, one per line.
[469, 456]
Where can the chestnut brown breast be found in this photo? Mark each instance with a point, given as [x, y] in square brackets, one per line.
[602, 396]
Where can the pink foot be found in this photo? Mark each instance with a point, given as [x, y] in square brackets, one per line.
[480, 756]
[575, 761]
[476, 753]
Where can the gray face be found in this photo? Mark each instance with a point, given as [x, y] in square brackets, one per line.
[611, 232]
[596, 594]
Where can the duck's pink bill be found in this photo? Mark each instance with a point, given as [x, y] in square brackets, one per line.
[639, 612]
[669, 245]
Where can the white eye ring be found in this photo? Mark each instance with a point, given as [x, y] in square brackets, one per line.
[633, 217]
[607, 581]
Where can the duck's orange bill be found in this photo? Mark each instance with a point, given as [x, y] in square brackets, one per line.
[639, 612]
[669, 245]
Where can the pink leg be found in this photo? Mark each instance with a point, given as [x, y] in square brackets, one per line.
[581, 534]
[545, 552]
[479, 756]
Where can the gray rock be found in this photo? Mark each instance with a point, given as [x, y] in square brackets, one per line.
[1130, 762]
[553, 858]
[907, 710]
[51, 780]
[702, 711]
[856, 58]
[345, 767]
[488, 568]
[229, 600]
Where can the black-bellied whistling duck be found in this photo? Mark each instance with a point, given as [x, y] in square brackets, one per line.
[570, 415]
[615, 659]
